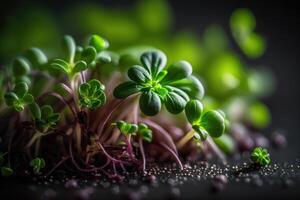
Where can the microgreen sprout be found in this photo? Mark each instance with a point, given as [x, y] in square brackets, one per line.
[37, 164]
[260, 156]
[19, 97]
[158, 85]
[144, 132]
[6, 171]
[91, 94]
[78, 59]
[210, 123]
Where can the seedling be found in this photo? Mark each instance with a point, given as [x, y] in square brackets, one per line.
[6, 171]
[158, 85]
[37, 164]
[91, 94]
[19, 97]
[210, 123]
[260, 156]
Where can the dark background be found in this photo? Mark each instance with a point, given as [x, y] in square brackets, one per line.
[278, 21]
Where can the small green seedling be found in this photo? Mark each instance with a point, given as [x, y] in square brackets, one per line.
[210, 123]
[6, 171]
[37, 164]
[260, 156]
[19, 97]
[158, 86]
[91, 94]
[78, 59]
[44, 116]
[127, 128]
[144, 132]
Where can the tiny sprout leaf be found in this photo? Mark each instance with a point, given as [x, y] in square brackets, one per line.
[37, 164]
[150, 103]
[193, 111]
[178, 71]
[35, 111]
[36, 57]
[153, 61]
[20, 67]
[213, 122]
[21, 89]
[69, 48]
[89, 54]
[79, 66]
[91, 94]
[98, 43]
[191, 86]
[145, 132]
[260, 156]
[126, 89]
[104, 57]
[174, 103]
[126, 128]
[61, 65]
[138, 74]
[19, 97]
[48, 118]
[6, 171]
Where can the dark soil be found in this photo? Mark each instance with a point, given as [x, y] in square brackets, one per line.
[201, 180]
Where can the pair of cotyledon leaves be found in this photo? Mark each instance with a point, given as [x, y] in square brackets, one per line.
[18, 97]
[43, 116]
[204, 123]
[91, 94]
[141, 130]
[172, 87]
[78, 59]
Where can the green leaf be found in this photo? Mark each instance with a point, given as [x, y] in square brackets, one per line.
[126, 89]
[61, 65]
[191, 86]
[46, 111]
[150, 103]
[193, 111]
[160, 76]
[138, 74]
[20, 67]
[6, 171]
[79, 66]
[213, 122]
[10, 98]
[153, 62]
[98, 43]
[28, 98]
[36, 57]
[104, 57]
[174, 103]
[69, 48]
[89, 54]
[21, 89]
[35, 110]
[178, 71]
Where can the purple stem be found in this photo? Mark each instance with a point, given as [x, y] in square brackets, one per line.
[173, 153]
